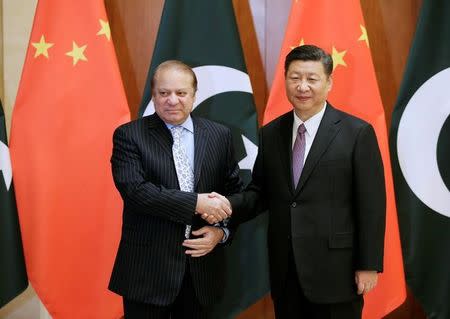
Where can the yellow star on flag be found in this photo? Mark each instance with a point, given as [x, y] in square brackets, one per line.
[105, 29]
[302, 42]
[77, 53]
[338, 58]
[41, 47]
[364, 36]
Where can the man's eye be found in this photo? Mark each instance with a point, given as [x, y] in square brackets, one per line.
[163, 93]
[181, 93]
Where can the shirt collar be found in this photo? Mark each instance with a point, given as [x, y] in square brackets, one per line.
[188, 124]
[311, 124]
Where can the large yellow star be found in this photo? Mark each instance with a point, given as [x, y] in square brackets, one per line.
[77, 53]
[364, 36]
[105, 29]
[338, 58]
[302, 42]
[41, 47]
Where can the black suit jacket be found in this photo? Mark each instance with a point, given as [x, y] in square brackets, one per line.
[334, 220]
[151, 261]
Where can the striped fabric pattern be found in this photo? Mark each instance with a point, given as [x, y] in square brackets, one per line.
[151, 262]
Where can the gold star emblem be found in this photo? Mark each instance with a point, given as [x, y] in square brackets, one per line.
[364, 36]
[77, 53]
[105, 30]
[338, 58]
[41, 47]
[302, 42]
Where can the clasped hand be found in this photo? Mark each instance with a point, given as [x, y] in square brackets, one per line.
[213, 207]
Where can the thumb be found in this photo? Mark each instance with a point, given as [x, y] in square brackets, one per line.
[213, 194]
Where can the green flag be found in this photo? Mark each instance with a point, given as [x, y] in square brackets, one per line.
[205, 36]
[420, 148]
[13, 276]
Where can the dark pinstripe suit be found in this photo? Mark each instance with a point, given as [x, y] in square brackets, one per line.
[150, 263]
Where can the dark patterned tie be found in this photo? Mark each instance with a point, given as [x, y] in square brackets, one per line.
[298, 154]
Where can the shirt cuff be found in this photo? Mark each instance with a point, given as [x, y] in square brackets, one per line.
[226, 234]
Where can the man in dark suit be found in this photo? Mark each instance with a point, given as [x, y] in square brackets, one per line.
[168, 264]
[319, 173]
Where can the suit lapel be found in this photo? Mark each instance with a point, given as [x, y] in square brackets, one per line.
[161, 133]
[200, 143]
[285, 147]
[328, 128]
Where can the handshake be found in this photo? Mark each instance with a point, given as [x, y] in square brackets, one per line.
[213, 207]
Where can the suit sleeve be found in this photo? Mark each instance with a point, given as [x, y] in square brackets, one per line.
[251, 202]
[370, 201]
[233, 183]
[141, 195]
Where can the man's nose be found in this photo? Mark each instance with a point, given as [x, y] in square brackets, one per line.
[172, 99]
[302, 86]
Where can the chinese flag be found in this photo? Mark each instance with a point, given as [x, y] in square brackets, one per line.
[69, 102]
[338, 27]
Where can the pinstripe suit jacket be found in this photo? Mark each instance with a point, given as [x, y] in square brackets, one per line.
[150, 262]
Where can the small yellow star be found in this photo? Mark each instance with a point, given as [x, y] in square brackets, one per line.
[41, 47]
[77, 53]
[364, 36]
[105, 29]
[338, 58]
[302, 42]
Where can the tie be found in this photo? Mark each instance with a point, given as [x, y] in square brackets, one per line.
[184, 171]
[298, 154]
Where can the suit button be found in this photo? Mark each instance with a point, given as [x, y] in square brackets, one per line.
[294, 204]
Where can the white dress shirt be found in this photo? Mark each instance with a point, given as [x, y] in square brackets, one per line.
[311, 125]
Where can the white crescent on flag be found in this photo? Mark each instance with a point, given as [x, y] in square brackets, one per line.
[417, 139]
[5, 165]
[216, 79]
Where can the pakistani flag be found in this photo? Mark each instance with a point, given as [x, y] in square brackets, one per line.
[204, 35]
[420, 147]
[13, 276]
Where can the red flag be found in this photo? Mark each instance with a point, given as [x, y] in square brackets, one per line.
[70, 100]
[338, 27]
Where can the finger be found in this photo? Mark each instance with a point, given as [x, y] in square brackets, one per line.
[196, 246]
[199, 255]
[360, 288]
[226, 209]
[195, 242]
[201, 231]
[196, 253]
[212, 220]
[219, 216]
[222, 214]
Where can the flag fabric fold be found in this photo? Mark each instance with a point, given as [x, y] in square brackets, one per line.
[339, 28]
[69, 102]
[205, 36]
[420, 148]
[13, 276]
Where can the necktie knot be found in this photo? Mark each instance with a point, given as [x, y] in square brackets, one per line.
[301, 129]
[176, 132]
